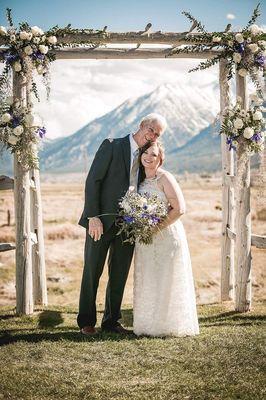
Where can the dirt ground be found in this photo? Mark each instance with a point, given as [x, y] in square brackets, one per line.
[64, 239]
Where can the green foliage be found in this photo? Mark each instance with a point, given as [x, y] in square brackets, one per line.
[255, 15]
[45, 357]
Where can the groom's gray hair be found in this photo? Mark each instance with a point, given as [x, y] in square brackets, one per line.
[154, 117]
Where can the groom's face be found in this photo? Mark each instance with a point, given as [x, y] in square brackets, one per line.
[150, 132]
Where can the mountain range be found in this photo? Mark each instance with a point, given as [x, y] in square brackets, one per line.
[191, 141]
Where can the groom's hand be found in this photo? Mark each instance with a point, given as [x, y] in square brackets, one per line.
[95, 228]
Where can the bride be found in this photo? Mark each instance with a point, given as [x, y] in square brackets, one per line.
[164, 297]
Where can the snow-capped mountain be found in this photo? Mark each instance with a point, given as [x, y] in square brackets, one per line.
[187, 110]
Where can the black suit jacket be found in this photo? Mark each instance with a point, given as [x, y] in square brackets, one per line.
[107, 181]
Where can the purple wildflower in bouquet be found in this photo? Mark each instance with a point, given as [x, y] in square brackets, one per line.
[139, 214]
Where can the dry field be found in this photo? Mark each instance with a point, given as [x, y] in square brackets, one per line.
[62, 205]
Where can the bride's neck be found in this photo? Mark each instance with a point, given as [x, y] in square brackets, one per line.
[150, 173]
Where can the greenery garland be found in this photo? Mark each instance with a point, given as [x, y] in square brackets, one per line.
[245, 51]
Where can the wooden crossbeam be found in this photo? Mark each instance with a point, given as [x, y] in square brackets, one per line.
[124, 53]
[6, 182]
[6, 247]
[258, 241]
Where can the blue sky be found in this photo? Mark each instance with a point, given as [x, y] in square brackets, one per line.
[123, 15]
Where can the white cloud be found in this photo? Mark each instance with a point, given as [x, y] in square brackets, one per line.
[230, 16]
[82, 90]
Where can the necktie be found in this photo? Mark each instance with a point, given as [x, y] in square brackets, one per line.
[134, 170]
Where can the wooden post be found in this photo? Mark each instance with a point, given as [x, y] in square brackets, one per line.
[38, 259]
[243, 217]
[228, 211]
[24, 296]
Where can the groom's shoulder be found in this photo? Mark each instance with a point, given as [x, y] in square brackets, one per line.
[117, 140]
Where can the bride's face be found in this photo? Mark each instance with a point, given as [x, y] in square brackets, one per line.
[151, 158]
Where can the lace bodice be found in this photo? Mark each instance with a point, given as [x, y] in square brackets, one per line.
[150, 185]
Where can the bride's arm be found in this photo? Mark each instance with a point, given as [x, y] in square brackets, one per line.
[175, 198]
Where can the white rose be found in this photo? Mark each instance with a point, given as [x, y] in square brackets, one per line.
[242, 72]
[29, 35]
[248, 133]
[52, 39]
[29, 118]
[43, 49]
[17, 66]
[6, 117]
[216, 39]
[12, 139]
[238, 123]
[36, 31]
[254, 29]
[23, 35]
[237, 57]
[43, 38]
[32, 120]
[40, 69]
[253, 47]
[239, 38]
[142, 202]
[36, 40]
[9, 100]
[151, 208]
[3, 31]
[18, 130]
[28, 50]
[257, 116]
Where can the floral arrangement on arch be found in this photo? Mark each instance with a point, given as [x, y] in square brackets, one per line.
[21, 131]
[245, 51]
[245, 125]
[28, 49]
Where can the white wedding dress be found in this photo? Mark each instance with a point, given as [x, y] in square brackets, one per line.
[164, 301]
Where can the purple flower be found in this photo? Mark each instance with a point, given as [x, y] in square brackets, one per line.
[37, 55]
[260, 60]
[10, 58]
[128, 219]
[41, 132]
[155, 219]
[240, 48]
[256, 137]
[229, 141]
[15, 122]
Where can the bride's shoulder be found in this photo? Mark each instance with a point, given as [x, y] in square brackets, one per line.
[165, 176]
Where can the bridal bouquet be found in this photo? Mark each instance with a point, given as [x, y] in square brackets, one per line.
[139, 214]
[244, 125]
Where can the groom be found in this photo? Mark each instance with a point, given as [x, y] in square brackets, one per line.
[114, 169]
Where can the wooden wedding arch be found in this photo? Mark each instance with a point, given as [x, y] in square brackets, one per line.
[236, 237]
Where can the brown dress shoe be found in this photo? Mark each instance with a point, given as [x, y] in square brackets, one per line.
[118, 329]
[88, 330]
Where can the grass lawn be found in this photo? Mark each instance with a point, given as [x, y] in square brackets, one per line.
[45, 357]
